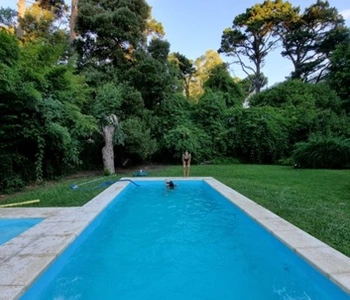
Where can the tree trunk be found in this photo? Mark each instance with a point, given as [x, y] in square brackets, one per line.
[21, 4]
[107, 150]
[73, 16]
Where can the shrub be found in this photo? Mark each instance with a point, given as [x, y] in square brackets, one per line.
[286, 162]
[323, 152]
[11, 184]
[188, 137]
[257, 135]
[225, 161]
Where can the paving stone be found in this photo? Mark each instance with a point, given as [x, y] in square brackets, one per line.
[10, 292]
[326, 259]
[343, 280]
[21, 270]
[297, 239]
[50, 245]
[58, 228]
[15, 245]
[276, 224]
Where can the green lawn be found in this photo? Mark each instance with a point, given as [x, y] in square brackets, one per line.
[317, 201]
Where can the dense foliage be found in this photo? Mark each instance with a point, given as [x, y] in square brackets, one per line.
[116, 86]
[323, 152]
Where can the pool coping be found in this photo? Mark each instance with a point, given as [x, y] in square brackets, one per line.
[25, 257]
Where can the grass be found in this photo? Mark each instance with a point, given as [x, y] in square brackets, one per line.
[317, 201]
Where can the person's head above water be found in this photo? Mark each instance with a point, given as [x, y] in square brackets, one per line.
[170, 184]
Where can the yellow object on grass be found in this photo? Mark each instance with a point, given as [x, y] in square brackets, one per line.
[20, 203]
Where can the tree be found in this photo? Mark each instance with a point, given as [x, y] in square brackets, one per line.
[42, 126]
[105, 108]
[209, 115]
[339, 74]
[203, 65]
[9, 49]
[154, 28]
[220, 81]
[110, 31]
[159, 49]
[151, 77]
[21, 4]
[309, 108]
[252, 36]
[309, 39]
[57, 7]
[257, 134]
[138, 138]
[186, 70]
[247, 86]
[8, 19]
[187, 136]
[43, 20]
[72, 20]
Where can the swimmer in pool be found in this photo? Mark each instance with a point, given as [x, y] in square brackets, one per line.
[170, 184]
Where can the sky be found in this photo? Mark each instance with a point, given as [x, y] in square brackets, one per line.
[194, 26]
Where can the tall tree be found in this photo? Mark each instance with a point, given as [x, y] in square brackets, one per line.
[220, 81]
[72, 20]
[203, 65]
[251, 37]
[186, 70]
[58, 7]
[21, 4]
[339, 74]
[45, 20]
[110, 34]
[154, 28]
[8, 19]
[40, 106]
[105, 108]
[151, 74]
[110, 31]
[309, 39]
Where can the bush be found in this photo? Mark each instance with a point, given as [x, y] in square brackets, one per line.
[188, 137]
[295, 93]
[11, 184]
[323, 152]
[225, 161]
[257, 135]
[287, 162]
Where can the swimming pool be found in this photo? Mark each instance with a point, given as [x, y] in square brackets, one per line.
[9, 228]
[187, 243]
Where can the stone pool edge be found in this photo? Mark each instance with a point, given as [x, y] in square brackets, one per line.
[24, 258]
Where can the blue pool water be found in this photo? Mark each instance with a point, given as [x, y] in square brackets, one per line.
[9, 228]
[186, 243]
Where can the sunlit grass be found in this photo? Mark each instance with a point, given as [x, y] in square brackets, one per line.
[317, 201]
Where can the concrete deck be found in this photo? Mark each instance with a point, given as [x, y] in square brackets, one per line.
[25, 257]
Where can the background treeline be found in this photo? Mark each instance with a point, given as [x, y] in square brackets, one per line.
[94, 85]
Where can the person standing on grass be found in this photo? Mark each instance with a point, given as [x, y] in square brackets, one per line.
[186, 163]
